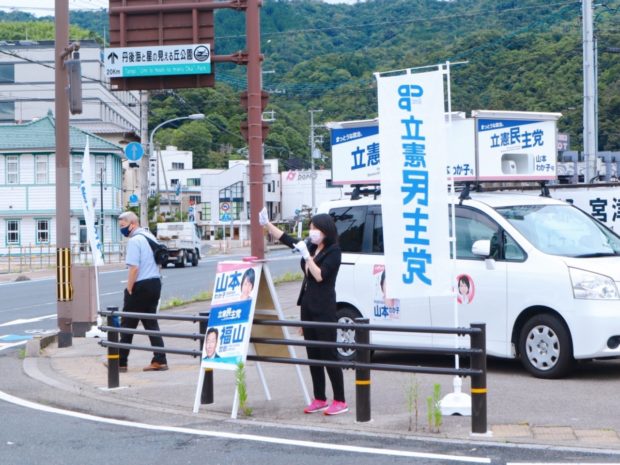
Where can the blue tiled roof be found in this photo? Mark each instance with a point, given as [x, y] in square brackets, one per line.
[41, 135]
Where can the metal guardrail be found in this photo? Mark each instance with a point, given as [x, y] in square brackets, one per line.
[20, 258]
[362, 364]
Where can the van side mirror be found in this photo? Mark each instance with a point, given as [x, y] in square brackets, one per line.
[481, 248]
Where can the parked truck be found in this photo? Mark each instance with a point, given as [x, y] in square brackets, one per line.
[183, 242]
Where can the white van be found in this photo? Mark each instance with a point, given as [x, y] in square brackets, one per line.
[542, 275]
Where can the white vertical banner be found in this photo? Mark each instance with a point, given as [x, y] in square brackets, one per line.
[414, 197]
[92, 231]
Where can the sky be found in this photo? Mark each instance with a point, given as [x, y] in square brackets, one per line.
[46, 7]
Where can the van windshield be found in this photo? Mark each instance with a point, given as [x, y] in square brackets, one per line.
[562, 230]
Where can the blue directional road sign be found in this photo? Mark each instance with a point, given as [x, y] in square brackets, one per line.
[134, 151]
[133, 200]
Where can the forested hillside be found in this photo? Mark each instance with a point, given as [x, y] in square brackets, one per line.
[520, 55]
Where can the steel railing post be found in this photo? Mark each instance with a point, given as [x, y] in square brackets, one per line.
[479, 381]
[362, 375]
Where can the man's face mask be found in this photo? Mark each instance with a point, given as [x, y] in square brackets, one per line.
[125, 231]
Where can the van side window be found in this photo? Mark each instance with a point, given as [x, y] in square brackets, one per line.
[377, 230]
[472, 227]
[512, 251]
[350, 222]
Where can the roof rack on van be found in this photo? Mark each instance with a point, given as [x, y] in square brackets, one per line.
[498, 186]
[360, 190]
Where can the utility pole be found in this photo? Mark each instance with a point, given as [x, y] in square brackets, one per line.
[143, 170]
[589, 92]
[255, 125]
[64, 288]
[312, 151]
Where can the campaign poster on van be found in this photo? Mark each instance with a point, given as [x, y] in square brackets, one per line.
[355, 152]
[231, 315]
[414, 197]
[516, 149]
[384, 308]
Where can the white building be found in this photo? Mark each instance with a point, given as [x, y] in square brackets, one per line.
[297, 191]
[27, 90]
[28, 191]
[225, 199]
[178, 183]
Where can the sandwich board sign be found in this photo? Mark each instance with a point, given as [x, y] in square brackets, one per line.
[242, 290]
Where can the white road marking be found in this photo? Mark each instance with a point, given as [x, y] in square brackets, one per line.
[23, 321]
[239, 436]
[8, 345]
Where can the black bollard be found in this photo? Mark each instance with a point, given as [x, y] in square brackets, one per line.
[479, 382]
[113, 357]
[362, 375]
[206, 395]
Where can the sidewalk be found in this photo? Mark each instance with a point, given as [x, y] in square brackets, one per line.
[515, 413]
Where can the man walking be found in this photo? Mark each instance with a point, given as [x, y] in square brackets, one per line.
[143, 289]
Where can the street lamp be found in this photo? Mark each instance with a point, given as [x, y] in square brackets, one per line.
[195, 116]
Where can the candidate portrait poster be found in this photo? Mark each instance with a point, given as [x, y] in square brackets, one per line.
[230, 319]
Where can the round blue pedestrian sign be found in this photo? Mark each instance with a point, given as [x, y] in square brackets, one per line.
[133, 199]
[134, 151]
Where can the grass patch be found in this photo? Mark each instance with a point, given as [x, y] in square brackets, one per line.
[289, 278]
[179, 302]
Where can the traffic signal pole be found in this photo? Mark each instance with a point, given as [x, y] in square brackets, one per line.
[255, 126]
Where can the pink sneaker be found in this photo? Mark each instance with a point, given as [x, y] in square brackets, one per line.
[316, 406]
[336, 408]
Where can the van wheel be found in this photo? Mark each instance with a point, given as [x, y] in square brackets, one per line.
[346, 315]
[545, 347]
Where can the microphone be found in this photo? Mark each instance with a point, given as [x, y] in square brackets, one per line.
[308, 243]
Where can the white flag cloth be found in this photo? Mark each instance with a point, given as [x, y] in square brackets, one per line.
[92, 231]
[412, 136]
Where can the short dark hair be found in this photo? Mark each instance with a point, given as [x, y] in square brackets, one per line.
[250, 275]
[213, 330]
[325, 223]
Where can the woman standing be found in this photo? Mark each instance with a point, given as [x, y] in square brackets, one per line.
[317, 299]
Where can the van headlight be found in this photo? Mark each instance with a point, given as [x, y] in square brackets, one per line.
[588, 285]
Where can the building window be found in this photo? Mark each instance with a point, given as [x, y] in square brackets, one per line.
[7, 111]
[76, 168]
[194, 199]
[12, 169]
[41, 168]
[178, 166]
[12, 232]
[193, 182]
[100, 169]
[174, 182]
[236, 208]
[7, 73]
[234, 195]
[205, 212]
[43, 231]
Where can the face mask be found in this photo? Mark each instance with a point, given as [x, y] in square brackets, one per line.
[125, 231]
[316, 236]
